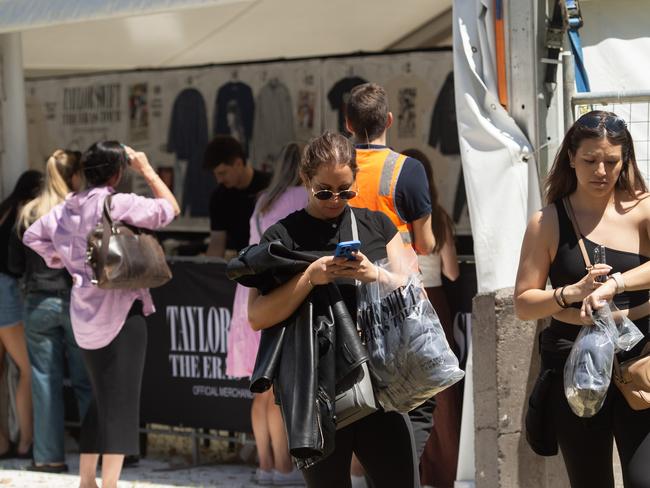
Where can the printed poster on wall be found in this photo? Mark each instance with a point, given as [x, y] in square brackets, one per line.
[172, 115]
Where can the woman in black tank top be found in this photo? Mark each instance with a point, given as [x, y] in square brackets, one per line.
[596, 170]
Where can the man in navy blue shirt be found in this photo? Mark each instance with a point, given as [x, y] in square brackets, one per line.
[404, 195]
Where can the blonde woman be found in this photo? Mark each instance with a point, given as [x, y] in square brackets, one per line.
[47, 320]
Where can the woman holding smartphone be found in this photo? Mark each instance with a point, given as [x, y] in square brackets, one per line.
[382, 441]
[595, 177]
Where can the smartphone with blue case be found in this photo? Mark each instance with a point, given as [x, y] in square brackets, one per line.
[347, 249]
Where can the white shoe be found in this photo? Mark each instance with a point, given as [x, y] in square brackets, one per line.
[263, 477]
[294, 478]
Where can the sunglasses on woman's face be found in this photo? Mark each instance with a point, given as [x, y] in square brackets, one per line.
[329, 194]
[612, 123]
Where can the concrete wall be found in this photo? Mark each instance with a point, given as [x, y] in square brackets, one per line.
[506, 365]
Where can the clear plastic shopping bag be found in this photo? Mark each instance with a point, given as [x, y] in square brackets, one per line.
[410, 359]
[588, 370]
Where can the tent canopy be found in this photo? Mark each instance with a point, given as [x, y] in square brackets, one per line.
[88, 35]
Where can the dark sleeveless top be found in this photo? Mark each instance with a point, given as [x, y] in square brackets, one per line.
[568, 267]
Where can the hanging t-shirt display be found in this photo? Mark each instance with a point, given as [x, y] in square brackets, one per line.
[188, 136]
[233, 112]
[273, 127]
[339, 95]
[141, 109]
[444, 130]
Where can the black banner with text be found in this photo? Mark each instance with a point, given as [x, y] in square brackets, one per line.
[185, 380]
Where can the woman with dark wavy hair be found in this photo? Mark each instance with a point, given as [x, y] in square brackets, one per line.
[12, 332]
[595, 176]
[108, 324]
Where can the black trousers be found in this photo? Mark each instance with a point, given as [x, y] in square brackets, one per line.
[422, 423]
[115, 372]
[383, 442]
[587, 443]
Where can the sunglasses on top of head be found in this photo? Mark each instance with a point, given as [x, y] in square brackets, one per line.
[611, 123]
[329, 194]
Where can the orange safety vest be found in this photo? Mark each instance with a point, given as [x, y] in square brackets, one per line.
[376, 181]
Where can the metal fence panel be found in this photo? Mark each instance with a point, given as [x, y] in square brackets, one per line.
[634, 107]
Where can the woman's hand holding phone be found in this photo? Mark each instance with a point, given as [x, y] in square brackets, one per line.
[328, 268]
[360, 268]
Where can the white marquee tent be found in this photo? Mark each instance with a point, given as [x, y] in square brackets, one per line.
[80, 35]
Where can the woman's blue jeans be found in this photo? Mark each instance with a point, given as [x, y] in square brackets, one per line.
[50, 342]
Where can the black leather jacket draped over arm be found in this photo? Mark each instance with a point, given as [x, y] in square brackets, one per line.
[308, 357]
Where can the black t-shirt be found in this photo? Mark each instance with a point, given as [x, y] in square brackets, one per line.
[302, 232]
[6, 228]
[38, 276]
[339, 95]
[231, 210]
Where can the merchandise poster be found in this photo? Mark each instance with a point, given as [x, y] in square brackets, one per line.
[138, 113]
[173, 114]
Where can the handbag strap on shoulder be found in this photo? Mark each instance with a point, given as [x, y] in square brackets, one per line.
[107, 228]
[569, 210]
[353, 224]
[355, 234]
[106, 214]
[576, 229]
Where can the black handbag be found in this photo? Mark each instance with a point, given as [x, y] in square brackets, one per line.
[540, 433]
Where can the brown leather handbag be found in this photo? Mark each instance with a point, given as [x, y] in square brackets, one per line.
[124, 256]
[632, 377]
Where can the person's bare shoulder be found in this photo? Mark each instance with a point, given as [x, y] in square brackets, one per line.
[543, 231]
[544, 221]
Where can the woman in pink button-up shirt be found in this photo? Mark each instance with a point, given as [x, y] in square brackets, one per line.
[108, 324]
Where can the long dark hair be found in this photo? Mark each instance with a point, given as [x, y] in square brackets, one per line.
[441, 222]
[102, 161]
[286, 175]
[27, 187]
[561, 180]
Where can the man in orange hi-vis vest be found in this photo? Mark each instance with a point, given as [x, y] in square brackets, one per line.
[388, 181]
[398, 186]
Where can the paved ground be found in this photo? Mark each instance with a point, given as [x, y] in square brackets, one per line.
[149, 474]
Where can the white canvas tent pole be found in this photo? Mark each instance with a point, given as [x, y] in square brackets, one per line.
[527, 104]
[13, 125]
[568, 87]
